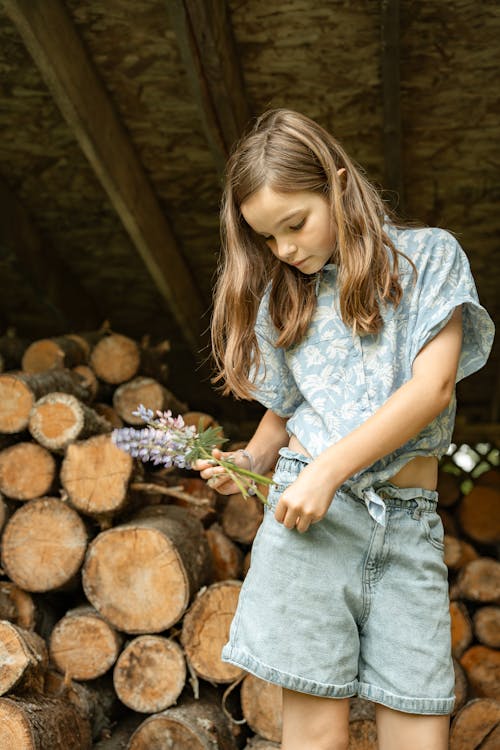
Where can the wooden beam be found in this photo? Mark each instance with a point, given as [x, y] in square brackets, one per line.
[55, 290]
[205, 38]
[393, 169]
[50, 36]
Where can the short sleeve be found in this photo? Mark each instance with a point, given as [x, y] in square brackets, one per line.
[444, 282]
[273, 384]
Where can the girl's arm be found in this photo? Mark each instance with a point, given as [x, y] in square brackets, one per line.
[268, 438]
[413, 406]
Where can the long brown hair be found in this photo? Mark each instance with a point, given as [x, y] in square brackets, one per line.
[289, 152]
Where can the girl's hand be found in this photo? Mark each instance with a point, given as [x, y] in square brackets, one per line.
[216, 476]
[305, 501]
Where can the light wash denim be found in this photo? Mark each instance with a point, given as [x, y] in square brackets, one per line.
[350, 607]
[333, 381]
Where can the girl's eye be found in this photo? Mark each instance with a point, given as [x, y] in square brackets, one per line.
[298, 226]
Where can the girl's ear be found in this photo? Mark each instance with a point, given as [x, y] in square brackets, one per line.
[342, 176]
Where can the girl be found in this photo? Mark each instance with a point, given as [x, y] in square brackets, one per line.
[352, 332]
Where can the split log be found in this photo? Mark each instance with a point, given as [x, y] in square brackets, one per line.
[242, 517]
[24, 659]
[83, 645]
[246, 562]
[479, 516]
[39, 722]
[200, 725]
[227, 558]
[457, 552]
[450, 525]
[141, 575]
[482, 667]
[106, 411]
[461, 628]
[119, 736]
[55, 353]
[18, 393]
[486, 624]
[150, 673]
[196, 489]
[461, 687]
[262, 706]
[492, 741]
[95, 700]
[448, 488]
[43, 545]
[205, 630]
[115, 359]
[4, 513]
[95, 474]
[16, 605]
[27, 471]
[478, 581]
[89, 379]
[147, 391]
[154, 363]
[473, 723]
[58, 419]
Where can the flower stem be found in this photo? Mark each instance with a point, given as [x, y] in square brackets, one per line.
[232, 469]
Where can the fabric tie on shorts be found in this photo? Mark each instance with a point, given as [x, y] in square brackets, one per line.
[375, 505]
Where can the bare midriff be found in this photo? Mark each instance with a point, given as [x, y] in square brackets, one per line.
[421, 471]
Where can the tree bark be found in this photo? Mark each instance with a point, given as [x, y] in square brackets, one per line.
[24, 659]
[55, 353]
[194, 725]
[38, 722]
[19, 391]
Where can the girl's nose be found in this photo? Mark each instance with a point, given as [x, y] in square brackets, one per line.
[287, 250]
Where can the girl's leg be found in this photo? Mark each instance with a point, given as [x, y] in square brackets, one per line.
[314, 723]
[396, 730]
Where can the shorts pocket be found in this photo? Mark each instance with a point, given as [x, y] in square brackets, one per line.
[433, 529]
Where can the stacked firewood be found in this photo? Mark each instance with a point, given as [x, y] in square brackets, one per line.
[119, 580]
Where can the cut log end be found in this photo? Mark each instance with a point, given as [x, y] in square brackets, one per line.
[83, 645]
[27, 471]
[150, 674]
[43, 545]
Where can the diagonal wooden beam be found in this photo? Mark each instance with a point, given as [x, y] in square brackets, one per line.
[393, 168]
[51, 38]
[205, 38]
[66, 305]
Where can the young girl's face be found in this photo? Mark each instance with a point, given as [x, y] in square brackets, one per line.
[297, 226]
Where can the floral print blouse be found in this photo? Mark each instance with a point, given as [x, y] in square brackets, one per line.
[332, 381]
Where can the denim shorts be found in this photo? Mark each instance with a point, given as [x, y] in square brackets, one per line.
[350, 607]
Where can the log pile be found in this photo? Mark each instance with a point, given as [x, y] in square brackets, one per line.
[119, 580]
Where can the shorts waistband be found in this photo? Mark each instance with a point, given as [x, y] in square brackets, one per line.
[291, 463]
